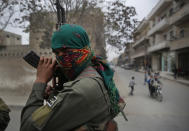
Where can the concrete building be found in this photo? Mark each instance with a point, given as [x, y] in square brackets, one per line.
[125, 58]
[165, 44]
[8, 38]
[139, 53]
[10, 45]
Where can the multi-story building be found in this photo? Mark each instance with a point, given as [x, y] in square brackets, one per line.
[125, 58]
[139, 53]
[167, 34]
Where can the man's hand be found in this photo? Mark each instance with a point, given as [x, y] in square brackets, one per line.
[45, 70]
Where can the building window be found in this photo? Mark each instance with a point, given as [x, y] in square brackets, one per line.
[171, 35]
[163, 17]
[165, 36]
[153, 40]
[171, 12]
[18, 38]
[181, 33]
[181, 4]
[8, 36]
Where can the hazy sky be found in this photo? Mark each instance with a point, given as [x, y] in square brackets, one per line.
[143, 8]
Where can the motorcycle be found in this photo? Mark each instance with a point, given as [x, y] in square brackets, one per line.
[157, 94]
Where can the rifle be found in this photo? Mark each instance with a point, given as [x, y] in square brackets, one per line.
[60, 15]
[33, 59]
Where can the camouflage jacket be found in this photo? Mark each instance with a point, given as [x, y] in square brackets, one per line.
[83, 102]
[4, 115]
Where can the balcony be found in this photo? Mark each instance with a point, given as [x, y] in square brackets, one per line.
[137, 54]
[142, 25]
[160, 7]
[141, 40]
[159, 46]
[180, 44]
[180, 16]
[163, 24]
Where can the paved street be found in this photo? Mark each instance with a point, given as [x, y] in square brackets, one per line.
[144, 113]
[14, 124]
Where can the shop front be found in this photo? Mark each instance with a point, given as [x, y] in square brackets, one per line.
[168, 61]
[183, 63]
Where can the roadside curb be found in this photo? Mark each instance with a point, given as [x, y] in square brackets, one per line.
[179, 81]
[171, 79]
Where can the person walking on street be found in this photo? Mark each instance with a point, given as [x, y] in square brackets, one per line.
[145, 77]
[175, 71]
[131, 85]
[4, 115]
[88, 99]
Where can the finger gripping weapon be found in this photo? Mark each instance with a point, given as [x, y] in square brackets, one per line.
[33, 59]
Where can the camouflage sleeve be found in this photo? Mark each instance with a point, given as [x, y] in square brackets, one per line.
[81, 103]
[4, 115]
[78, 103]
[4, 119]
[34, 101]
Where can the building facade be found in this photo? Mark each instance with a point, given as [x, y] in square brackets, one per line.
[139, 53]
[161, 41]
[8, 38]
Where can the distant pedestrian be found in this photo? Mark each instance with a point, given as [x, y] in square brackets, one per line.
[175, 71]
[132, 84]
[145, 77]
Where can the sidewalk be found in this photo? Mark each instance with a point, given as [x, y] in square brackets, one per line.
[169, 76]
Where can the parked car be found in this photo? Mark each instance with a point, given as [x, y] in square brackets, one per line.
[128, 66]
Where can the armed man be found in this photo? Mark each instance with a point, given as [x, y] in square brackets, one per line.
[88, 99]
[4, 115]
[83, 96]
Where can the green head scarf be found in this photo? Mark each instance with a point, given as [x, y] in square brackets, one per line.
[70, 36]
[75, 37]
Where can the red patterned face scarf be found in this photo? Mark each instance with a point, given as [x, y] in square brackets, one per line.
[74, 61]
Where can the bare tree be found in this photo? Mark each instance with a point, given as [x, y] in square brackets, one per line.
[72, 8]
[36, 13]
[7, 11]
[120, 24]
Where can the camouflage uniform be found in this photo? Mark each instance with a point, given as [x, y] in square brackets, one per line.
[82, 104]
[4, 115]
